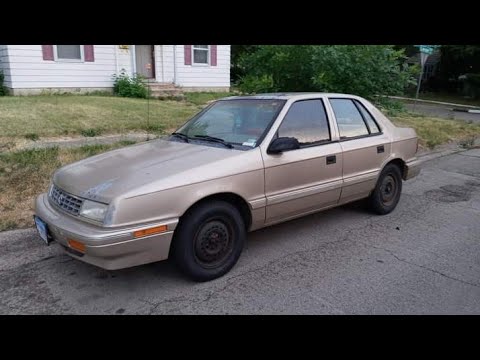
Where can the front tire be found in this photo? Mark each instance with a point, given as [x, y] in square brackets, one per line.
[385, 196]
[209, 240]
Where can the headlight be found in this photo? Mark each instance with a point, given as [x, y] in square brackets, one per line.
[93, 210]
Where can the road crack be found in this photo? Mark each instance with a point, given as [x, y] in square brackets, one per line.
[421, 266]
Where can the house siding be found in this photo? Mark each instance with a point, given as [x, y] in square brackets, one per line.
[27, 72]
[168, 67]
[5, 66]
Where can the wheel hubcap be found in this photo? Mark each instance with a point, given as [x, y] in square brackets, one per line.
[388, 190]
[213, 243]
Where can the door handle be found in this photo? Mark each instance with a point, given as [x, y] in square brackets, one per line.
[331, 159]
[380, 149]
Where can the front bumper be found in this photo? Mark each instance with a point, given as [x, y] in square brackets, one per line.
[412, 169]
[110, 249]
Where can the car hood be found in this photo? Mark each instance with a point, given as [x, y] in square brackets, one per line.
[149, 167]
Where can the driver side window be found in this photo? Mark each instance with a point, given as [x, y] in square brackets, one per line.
[306, 121]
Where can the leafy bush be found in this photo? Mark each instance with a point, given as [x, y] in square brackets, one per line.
[390, 107]
[32, 136]
[3, 89]
[154, 128]
[127, 86]
[90, 132]
[364, 70]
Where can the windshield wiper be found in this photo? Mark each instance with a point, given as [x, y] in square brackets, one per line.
[181, 136]
[214, 139]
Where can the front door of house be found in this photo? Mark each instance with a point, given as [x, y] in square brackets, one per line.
[145, 61]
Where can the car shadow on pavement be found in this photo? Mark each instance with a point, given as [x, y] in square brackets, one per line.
[272, 236]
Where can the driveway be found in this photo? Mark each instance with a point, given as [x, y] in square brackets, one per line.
[424, 258]
[442, 111]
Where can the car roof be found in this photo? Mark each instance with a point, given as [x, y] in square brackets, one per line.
[286, 96]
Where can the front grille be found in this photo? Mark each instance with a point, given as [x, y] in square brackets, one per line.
[65, 201]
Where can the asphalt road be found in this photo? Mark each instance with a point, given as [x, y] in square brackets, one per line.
[442, 111]
[424, 258]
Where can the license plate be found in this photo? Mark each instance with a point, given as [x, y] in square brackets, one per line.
[42, 229]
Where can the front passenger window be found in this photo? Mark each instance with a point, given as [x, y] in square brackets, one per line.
[306, 121]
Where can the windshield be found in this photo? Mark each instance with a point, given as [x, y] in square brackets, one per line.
[237, 122]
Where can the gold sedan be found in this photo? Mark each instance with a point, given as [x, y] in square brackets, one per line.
[241, 164]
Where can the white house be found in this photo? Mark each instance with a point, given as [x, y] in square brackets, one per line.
[31, 69]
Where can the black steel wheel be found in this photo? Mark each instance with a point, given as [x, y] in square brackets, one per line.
[209, 240]
[213, 242]
[388, 189]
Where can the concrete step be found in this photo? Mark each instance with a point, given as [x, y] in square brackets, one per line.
[161, 86]
[165, 91]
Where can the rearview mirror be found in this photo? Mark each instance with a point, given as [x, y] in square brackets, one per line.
[282, 144]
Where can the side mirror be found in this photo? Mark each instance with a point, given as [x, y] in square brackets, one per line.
[282, 144]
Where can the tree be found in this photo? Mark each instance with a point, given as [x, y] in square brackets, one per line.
[457, 60]
[365, 70]
[237, 51]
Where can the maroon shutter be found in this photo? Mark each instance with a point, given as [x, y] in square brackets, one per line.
[213, 55]
[88, 53]
[47, 52]
[188, 54]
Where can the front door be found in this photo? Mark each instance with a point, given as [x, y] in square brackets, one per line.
[145, 64]
[307, 179]
[365, 147]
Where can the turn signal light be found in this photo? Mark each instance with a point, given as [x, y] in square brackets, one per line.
[150, 231]
[76, 245]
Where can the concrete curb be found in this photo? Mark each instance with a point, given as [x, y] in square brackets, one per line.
[471, 111]
[458, 106]
[437, 154]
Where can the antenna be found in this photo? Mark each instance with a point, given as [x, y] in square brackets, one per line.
[148, 112]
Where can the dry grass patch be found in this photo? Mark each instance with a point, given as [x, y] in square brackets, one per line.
[25, 174]
[433, 131]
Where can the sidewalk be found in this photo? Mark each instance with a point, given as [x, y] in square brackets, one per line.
[82, 141]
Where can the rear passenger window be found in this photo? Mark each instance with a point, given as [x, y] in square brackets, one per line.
[306, 121]
[368, 118]
[349, 120]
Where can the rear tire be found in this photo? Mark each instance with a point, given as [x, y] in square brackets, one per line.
[209, 240]
[386, 194]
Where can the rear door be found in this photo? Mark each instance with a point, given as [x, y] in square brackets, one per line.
[365, 147]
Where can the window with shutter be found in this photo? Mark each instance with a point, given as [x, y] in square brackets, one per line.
[201, 55]
[69, 52]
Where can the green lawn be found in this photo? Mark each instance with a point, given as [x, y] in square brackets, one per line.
[201, 98]
[50, 116]
[25, 173]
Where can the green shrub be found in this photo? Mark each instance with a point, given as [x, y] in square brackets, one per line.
[126, 86]
[154, 128]
[3, 89]
[257, 83]
[91, 132]
[365, 70]
[389, 107]
[31, 136]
